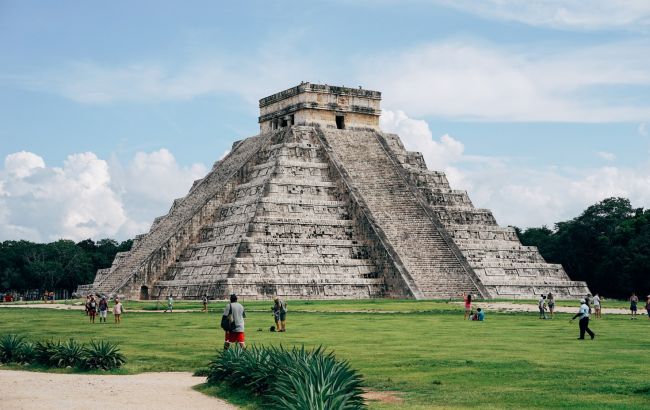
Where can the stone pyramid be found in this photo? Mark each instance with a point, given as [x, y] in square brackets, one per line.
[322, 204]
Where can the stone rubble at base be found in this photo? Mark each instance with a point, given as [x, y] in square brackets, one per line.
[324, 205]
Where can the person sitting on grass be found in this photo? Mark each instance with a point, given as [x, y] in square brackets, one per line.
[480, 314]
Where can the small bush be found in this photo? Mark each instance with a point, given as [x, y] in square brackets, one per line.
[70, 353]
[291, 379]
[10, 348]
[103, 355]
[45, 351]
[26, 353]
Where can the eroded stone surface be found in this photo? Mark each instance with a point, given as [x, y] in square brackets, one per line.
[327, 208]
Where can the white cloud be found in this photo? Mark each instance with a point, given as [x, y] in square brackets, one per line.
[563, 14]
[416, 136]
[87, 197]
[461, 80]
[607, 156]
[516, 194]
[23, 163]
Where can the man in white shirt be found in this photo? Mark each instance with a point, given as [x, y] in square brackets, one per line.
[541, 304]
[583, 314]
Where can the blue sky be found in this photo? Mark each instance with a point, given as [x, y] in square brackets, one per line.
[110, 110]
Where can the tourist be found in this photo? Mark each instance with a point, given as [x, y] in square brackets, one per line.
[583, 314]
[170, 304]
[236, 311]
[633, 302]
[92, 309]
[468, 305]
[280, 314]
[87, 304]
[647, 306]
[480, 315]
[118, 309]
[550, 302]
[205, 302]
[103, 309]
[541, 304]
[597, 310]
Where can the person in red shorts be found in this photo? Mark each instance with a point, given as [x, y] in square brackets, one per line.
[236, 311]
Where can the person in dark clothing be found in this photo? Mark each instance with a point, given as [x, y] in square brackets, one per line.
[583, 314]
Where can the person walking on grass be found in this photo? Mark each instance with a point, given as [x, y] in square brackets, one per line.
[92, 309]
[235, 311]
[280, 314]
[103, 309]
[647, 306]
[541, 304]
[467, 298]
[583, 314]
[550, 302]
[634, 299]
[205, 303]
[118, 309]
[597, 310]
[170, 304]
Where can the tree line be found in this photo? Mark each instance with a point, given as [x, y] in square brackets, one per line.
[59, 265]
[608, 246]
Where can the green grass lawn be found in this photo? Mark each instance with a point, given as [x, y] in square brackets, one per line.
[427, 354]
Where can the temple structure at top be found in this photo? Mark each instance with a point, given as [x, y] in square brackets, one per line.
[324, 105]
[323, 204]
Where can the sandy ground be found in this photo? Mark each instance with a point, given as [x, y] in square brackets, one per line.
[33, 390]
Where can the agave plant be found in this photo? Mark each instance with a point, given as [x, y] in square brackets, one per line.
[317, 381]
[10, 346]
[26, 353]
[70, 353]
[291, 379]
[103, 355]
[45, 351]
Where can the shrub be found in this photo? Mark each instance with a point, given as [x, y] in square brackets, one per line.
[10, 348]
[103, 355]
[70, 353]
[26, 353]
[45, 351]
[291, 379]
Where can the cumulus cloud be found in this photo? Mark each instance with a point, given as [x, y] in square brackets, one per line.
[562, 14]
[88, 196]
[519, 195]
[416, 136]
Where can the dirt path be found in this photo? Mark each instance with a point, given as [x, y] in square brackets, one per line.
[29, 390]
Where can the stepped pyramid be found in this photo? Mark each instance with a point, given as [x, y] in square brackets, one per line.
[322, 204]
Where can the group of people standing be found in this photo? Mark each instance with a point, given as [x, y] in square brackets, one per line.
[100, 305]
[235, 314]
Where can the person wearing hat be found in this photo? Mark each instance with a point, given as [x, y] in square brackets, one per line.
[237, 314]
[583, 314]
[280, 314]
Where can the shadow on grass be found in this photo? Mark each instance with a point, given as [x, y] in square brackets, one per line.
[242, 398]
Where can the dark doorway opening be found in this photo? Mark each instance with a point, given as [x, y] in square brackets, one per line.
[144, 293]
[340, 122]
